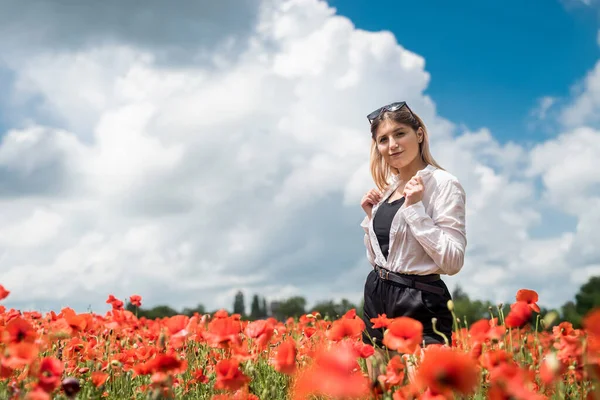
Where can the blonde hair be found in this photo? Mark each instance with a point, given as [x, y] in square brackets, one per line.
[380, 170]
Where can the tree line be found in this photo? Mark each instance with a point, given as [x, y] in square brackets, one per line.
[468, 310]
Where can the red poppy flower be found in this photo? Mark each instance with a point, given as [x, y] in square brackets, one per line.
[382, 321]
[285, 357]
[530, 297]
[493, 358]
[519, 315]
[18, 330]
[483, 330]
[334, 373]
[260, 330]
[394, 372]
[404, 335]
[37, 394]
[363, 350]
[223, 332]
[99, 378]
[445, 371]
[21, 354]
[3, 293]
[50, 373]
[136, 300]
[346, 328]
[229, 375]
[591, 322]
[114, 302]
[177, 323]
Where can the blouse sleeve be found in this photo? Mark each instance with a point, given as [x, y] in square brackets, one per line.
[370, 253]
[443, 235]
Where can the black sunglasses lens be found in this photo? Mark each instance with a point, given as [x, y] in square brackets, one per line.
[374, 114]
[390, 107]
[395, 106]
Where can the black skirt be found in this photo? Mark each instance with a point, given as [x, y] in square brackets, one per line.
[383, 296]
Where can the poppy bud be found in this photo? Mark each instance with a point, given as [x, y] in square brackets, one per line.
[71, 387]
[549, 318]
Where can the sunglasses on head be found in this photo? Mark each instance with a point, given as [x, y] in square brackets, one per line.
[390, 107]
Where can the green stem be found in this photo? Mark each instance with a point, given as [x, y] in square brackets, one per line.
[433, 322]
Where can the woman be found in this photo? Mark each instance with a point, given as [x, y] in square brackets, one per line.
[414, 228]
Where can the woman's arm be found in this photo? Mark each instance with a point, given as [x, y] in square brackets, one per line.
[443, 235]
[370, 253]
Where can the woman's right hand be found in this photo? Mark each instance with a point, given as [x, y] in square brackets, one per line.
[370, 198]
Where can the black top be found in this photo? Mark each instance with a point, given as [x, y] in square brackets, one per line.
[383, 222]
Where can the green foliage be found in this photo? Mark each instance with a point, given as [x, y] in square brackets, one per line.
[239, 306]
[264, 311]
[471, 311]
[293, 307]
[163, 311]
[333, 310]
[255, 308]
[258, 309]
[588, 296]
[467, 310]
[191, 311]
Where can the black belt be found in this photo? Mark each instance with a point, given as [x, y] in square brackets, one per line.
[413, 281]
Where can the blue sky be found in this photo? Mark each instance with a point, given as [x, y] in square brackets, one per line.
[490, 61]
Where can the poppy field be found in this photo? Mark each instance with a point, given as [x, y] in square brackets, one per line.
[67, 355]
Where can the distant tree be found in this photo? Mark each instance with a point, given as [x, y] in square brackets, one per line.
[588, 296]
[327, 309]
[255, 311]
[191, 311]
[293, 307]
[264, 313]
[238, 305]
[333, 310]
[570, 314]
[161, 311]
[471, 311]
[360, 308]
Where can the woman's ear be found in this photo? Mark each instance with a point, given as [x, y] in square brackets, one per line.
[420, 134]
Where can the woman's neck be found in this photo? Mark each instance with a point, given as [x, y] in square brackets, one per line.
[406, 173]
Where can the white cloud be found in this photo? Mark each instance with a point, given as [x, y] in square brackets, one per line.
[586, 104]
[544, 104]
[568, 166]
[185, 183]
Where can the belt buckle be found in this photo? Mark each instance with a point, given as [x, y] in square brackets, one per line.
[386, 272]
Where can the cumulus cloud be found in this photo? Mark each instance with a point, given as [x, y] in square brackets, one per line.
[168, 32]
[584, 108]
[186, 181]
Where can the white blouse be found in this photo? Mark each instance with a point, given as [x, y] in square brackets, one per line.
[428, 237]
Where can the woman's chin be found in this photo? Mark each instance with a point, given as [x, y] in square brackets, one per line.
[398, 164]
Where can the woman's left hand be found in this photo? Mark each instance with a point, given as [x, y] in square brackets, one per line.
[413, 191]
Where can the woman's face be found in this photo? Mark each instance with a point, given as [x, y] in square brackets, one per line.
[398, 143]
